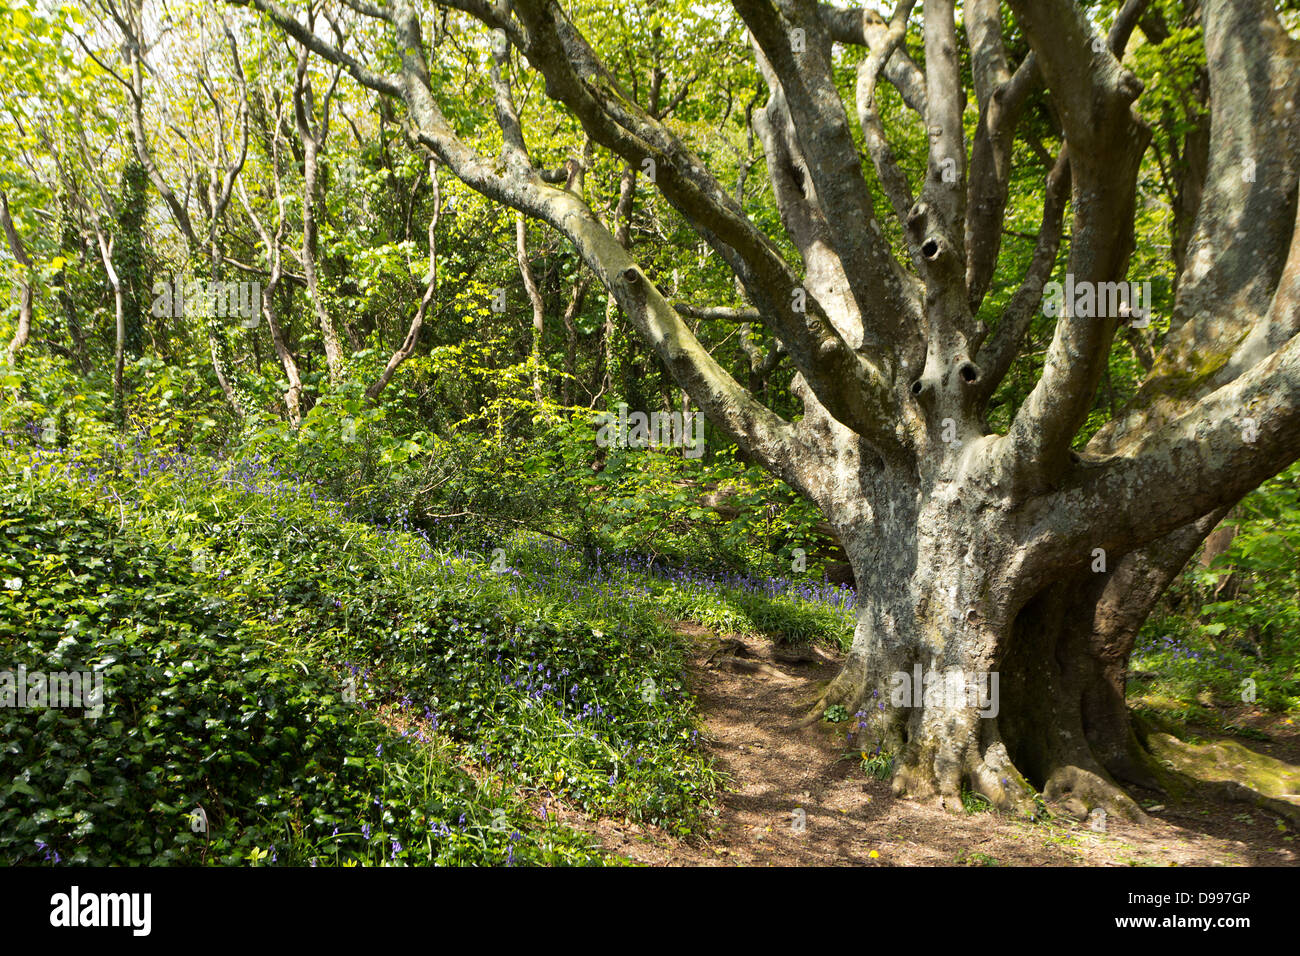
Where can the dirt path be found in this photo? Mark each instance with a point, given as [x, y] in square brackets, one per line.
[751, 699]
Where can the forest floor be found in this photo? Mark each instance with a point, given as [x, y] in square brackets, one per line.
[751, 695]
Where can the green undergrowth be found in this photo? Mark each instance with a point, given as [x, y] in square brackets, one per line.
[791, 610]
[1222, 647]
[294, 673]
[209, 746]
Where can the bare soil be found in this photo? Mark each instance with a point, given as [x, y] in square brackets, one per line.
[752, 695]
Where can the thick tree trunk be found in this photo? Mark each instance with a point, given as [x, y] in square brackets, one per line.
[936, 602]
[1038, 656]
[1032, 692]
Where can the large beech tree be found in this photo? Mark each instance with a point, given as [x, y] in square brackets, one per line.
[974, 549]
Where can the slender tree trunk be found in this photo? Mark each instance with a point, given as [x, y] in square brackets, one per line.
[292, 395]
[622, 228]
[404, 351]
[23, 330]
[329, 334]
[223, 170]
[571, 311]
[275, 257]
[70, 249]
[218, 347]
[312, 142]
[119, 312]
[534, 299]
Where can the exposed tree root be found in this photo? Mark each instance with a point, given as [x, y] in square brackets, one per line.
[936, 758]
[1227, 771]
[1078, 791]
[938, 752]
[1222, 770]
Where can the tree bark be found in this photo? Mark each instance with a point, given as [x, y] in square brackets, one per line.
[274, 244]
[313, 141]
[403, 351]
[119, 314]
[535, 300]
[23, 330]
